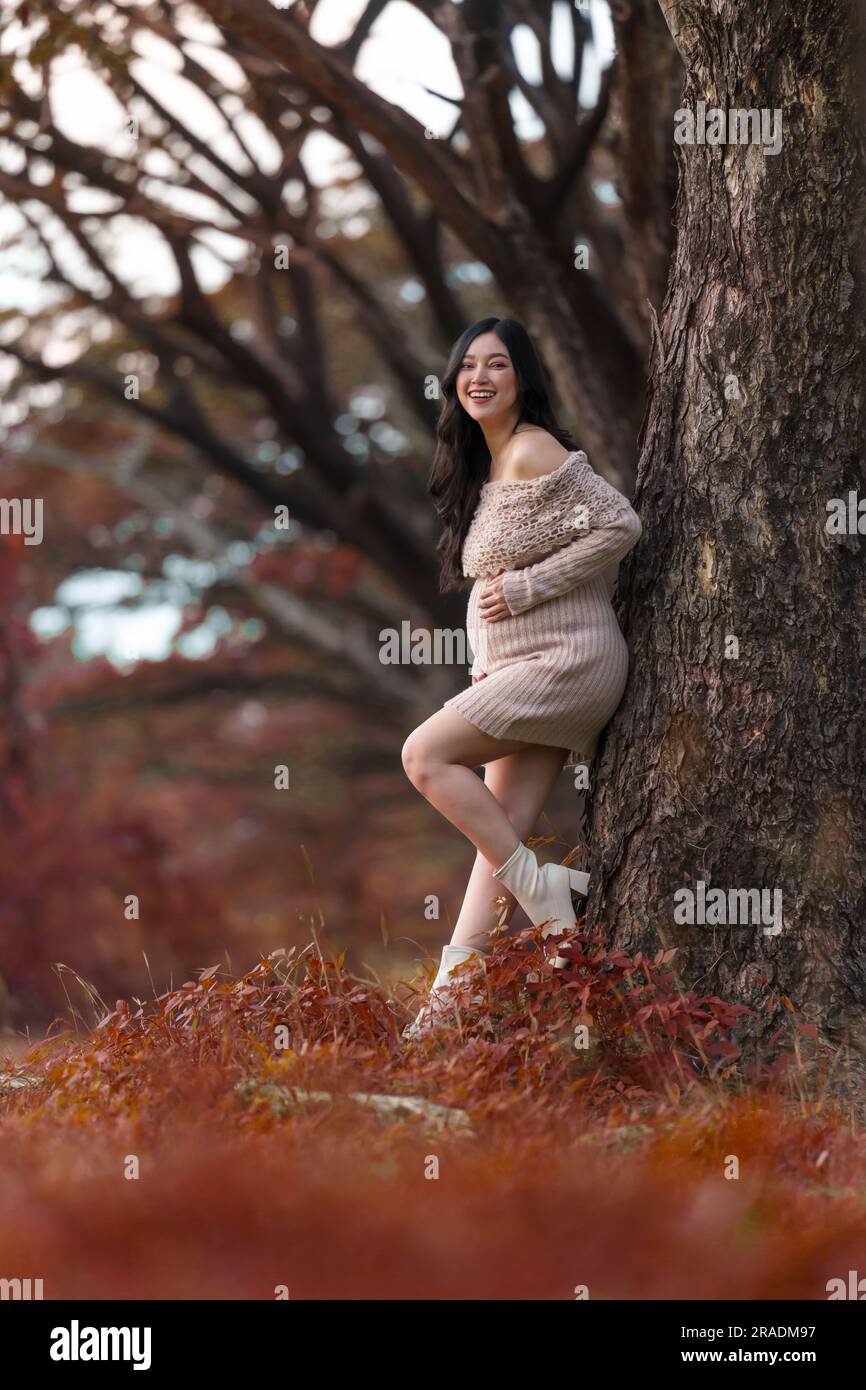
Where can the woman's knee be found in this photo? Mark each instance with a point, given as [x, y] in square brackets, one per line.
[418, 762]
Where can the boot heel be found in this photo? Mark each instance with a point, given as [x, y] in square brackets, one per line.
[579, 882]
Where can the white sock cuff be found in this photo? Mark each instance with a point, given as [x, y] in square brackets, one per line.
[497, 873]
[461, 953]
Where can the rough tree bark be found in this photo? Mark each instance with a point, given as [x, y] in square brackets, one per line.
[748, 772]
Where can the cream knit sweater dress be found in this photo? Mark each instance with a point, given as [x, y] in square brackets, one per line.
[557, 668]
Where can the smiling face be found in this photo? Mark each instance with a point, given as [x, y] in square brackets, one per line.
[487, 385]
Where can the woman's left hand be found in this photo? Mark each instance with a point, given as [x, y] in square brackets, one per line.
[492, 607]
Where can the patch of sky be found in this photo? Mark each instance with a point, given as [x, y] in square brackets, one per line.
[469, 273]
[126, 619]
[412, 292]
[388, 438]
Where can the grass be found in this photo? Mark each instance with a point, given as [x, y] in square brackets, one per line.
[591, 1128]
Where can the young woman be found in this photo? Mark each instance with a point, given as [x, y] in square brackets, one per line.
[528, 519]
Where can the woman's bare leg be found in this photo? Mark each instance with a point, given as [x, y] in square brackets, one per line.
[522, 783]
[439, 757]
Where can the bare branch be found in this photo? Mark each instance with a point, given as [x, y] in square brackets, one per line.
[438, 171]
[351, 47]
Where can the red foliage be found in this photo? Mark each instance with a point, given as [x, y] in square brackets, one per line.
[72, 851]
[601, 1165]
[260, 1166]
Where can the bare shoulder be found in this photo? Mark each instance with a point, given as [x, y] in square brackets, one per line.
[534, 452]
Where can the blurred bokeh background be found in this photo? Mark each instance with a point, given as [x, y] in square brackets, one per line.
[231, 272]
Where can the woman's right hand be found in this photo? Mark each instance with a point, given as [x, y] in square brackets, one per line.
[476, 679]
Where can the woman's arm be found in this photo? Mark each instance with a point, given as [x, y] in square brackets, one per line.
[581, 560]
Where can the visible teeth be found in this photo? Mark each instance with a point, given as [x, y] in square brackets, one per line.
[481, 395]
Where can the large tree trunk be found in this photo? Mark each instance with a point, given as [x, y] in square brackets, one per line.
[748, 772]
[591, 383]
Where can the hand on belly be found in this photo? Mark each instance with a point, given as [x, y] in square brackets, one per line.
[492, 607]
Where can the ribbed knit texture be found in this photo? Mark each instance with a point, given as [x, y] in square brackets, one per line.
[557, 668]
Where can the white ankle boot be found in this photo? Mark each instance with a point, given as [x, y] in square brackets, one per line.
[543, 891]
[452, 956]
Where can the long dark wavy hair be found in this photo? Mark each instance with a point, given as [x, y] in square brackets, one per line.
[462, 460]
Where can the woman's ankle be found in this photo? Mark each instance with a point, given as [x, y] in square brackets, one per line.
[519, 849]
[480, 945]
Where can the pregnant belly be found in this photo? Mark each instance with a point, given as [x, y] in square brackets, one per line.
[578, 626]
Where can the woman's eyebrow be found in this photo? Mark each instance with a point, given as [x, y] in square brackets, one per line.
[467, 356]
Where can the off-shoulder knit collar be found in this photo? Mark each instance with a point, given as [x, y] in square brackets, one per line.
[552, 478]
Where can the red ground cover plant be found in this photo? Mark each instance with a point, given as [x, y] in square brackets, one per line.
[241, 1137]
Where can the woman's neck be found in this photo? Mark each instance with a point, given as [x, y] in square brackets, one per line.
[497, 436]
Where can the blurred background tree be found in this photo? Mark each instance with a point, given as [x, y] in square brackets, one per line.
[212, 321]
